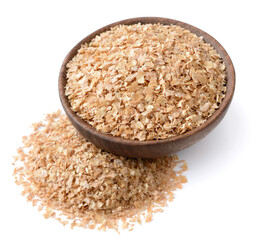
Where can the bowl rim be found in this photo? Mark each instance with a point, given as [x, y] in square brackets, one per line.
[146, 20]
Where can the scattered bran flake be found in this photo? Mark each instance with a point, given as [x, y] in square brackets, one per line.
[148, 218]
[158, 210]
[171, 197]
[68, 176]
[64, 222]
[40, 207]
[146, 82]
[125, 225]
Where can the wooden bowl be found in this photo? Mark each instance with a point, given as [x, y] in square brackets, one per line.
[154, 148]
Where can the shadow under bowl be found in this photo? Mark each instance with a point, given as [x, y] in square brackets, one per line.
[153, 148]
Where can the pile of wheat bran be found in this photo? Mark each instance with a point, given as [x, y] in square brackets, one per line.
[75, 182]
[146, 81]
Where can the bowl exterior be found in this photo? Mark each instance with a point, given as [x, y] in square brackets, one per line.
[159, 149]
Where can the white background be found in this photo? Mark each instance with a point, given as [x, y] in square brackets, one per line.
[225, 194]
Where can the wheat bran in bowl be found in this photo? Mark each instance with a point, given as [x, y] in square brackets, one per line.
[146, 81]
[75, 182]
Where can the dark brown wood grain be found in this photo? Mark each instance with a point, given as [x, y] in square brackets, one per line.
[156, 148]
